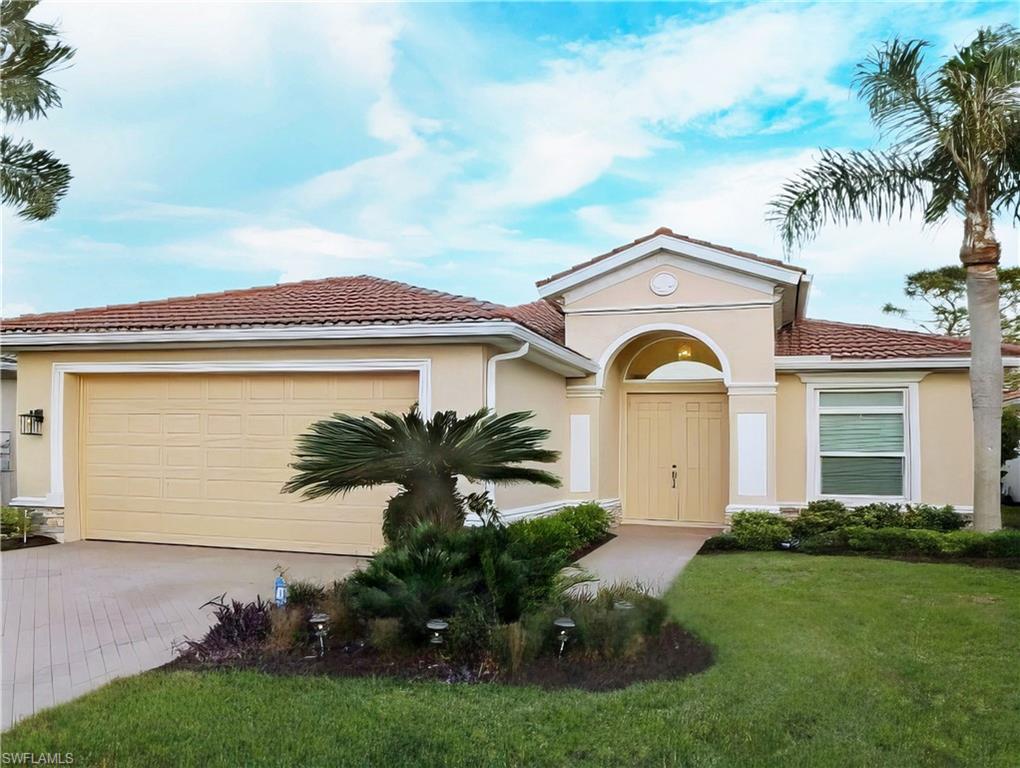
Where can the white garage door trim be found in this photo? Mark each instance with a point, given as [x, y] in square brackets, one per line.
[55, 497]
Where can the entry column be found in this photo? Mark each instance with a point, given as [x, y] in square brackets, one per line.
[752, 447]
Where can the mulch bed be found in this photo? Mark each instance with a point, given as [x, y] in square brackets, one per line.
[33, 541]
[674, 654]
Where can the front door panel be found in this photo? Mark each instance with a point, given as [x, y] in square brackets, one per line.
[676, 457]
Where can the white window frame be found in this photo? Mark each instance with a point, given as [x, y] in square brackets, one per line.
[911, 435]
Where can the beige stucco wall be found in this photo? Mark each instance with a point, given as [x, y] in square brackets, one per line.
[946, 432]
[524, 386]
[791, 438]
[745, 335]
[947, 439]
[457, 383]
[692, 288]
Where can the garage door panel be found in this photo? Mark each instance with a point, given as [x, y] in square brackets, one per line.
[201, 459]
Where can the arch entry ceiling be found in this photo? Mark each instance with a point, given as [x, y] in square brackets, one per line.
[674, 358]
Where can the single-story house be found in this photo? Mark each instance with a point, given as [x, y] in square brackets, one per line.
[681, 381]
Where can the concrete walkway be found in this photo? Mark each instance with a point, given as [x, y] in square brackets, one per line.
[74, 616]
[650, 555]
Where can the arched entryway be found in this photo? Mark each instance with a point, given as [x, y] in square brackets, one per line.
[674, 422]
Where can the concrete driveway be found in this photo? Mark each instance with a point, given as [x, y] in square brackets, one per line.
[75, 616]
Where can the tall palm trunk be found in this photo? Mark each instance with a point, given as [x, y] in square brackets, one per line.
[980, 255]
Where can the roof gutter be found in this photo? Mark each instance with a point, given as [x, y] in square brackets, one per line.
[547, 353]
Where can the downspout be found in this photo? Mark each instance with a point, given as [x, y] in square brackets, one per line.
[490, 392]
[490, 372]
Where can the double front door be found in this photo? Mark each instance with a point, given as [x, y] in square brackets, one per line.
[677, 458]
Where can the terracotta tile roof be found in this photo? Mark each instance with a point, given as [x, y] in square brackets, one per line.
[671, 233]
[541, 316]
[868, 342]
[359, 300]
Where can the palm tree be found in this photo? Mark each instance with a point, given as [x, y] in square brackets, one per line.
[32, 180]
[955, 145]
[422, 456]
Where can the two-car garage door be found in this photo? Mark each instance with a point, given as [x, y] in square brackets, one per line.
[201, 458]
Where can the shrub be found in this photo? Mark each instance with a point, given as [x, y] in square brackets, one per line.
[306, 594]
[469, 636]
[720, 543]
[15, 523]
[759, 530]
[288, 630]
[344, 623]
[826, 542]
[933, 518]
[893, 541]
[510, 646]
[590, 521]
[419, 579]
[915, 541]
[880, 515]
[386, 635]
[239, 628]
[604, 628]
[545, 536]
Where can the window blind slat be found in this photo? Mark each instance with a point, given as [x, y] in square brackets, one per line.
[850, 399]
[865, 432]
[862, 476]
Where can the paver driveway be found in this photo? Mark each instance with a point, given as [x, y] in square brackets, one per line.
[77, 615]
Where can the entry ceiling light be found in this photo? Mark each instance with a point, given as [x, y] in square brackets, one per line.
[683, 352]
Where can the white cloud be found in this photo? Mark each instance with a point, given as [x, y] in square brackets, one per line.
[726, 203]
[296, 253]
[624, 98]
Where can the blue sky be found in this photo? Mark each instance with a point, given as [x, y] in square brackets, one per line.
[473, 148]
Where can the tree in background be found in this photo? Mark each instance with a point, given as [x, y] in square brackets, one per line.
[955, 146]
[31, 180]
[944, 290]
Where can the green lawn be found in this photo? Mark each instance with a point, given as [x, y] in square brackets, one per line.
[822, 661]
[1010, 516]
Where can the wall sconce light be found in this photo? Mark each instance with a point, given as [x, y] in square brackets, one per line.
[31, 422]
[684, 352]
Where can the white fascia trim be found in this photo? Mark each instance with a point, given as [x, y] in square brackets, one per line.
[566, 358]
[55, 497]
[715, 256]
[826, 363]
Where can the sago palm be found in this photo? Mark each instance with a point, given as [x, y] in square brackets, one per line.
[954, 146]
[422, 456]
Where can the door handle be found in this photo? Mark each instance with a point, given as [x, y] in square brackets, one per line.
[674, 475]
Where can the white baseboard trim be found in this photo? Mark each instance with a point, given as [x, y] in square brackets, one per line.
[773, 508]
[37, 501]
[966, 511]
[546, 508]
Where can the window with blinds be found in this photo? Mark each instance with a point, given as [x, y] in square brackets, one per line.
[862, 442]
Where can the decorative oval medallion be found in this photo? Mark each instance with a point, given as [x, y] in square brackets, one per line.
[663, 284]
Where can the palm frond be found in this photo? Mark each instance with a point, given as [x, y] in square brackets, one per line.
[845, 187]
[32, 180]
[28, 51]
[897, 92]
